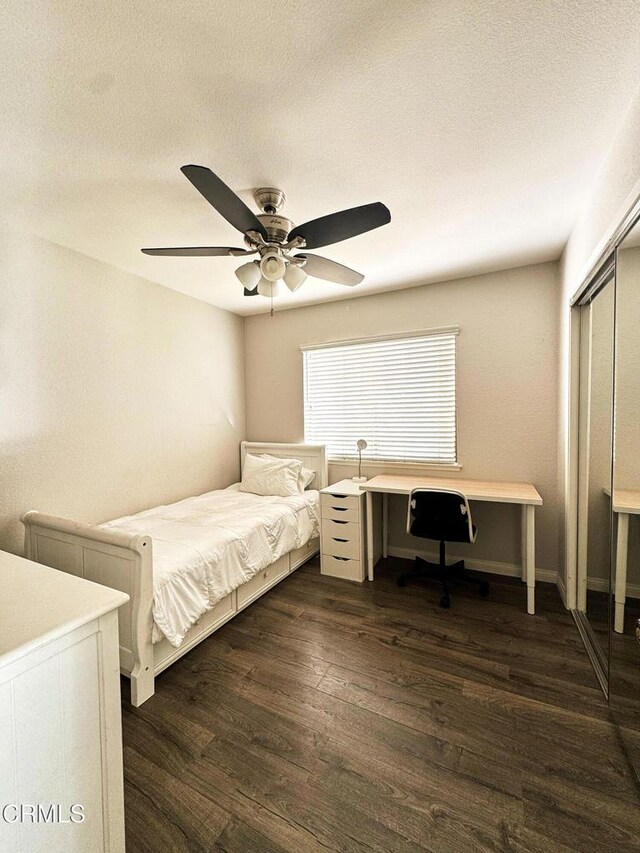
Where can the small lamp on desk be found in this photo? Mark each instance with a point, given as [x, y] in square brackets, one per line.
[361, 445]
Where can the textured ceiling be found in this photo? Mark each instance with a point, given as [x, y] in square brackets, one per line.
[479, 124]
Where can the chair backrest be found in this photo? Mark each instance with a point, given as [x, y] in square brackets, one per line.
[441, 514]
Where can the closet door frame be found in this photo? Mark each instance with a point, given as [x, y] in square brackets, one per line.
[618, 230]
[584, 439]
[599, 655]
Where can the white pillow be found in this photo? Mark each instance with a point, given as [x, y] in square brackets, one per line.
[264, 475]
[307, 475]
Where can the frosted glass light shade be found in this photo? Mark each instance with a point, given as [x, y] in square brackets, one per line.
[294, 277]
[268, 288]
[272, 266]
[249, 274]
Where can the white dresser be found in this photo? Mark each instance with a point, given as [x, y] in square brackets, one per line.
[61, 786]
[343, 531]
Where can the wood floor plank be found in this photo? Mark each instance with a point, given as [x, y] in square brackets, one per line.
[331, 716]
[288, 790]
[498, 730]
[241, 837]
[179, 817]
[370, 650]
[591, 822]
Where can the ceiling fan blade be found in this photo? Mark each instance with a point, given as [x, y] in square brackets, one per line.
[225, 201]
[253, 292]
[197, 251]
[342, 225]
[330, 270]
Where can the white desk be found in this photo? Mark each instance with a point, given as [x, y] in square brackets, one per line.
[625, 503]
[524, 494]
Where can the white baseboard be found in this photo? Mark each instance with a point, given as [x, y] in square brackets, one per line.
[506, 569]
[602, 585]
[561, 588]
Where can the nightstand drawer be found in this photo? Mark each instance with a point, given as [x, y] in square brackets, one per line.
[340, 513]
[344, 501]
[341, 529]
[341, 567]
[339, 547]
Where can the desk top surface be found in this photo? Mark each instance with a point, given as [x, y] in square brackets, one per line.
[625, 500]
[480, 490]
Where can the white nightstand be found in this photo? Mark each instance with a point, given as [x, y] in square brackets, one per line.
[342, 534]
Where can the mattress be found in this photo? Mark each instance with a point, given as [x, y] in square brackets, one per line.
[206, 546]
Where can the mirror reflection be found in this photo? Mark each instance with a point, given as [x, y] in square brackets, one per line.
[625, 651]
[595, 448]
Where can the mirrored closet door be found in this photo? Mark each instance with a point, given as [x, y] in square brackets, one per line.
[595, 441]
[624, 663]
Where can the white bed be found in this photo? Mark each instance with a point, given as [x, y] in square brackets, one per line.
[204, 547]
[190, 566]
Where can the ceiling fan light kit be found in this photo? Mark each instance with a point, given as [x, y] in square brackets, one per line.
[294, 277]
[268, 288]
[274, 237]
[249, 274]
[272, 265]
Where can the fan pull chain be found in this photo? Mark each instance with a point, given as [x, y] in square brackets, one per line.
[271, 314]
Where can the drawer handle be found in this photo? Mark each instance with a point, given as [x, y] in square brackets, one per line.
[336, 539]
[335, 521]
[340, 508]
[340, 497]
[343, 559]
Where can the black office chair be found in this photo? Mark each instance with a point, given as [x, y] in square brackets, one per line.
[443, 515]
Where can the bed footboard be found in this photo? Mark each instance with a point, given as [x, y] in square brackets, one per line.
[113, 559]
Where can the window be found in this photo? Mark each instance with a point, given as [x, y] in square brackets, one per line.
[399, 394]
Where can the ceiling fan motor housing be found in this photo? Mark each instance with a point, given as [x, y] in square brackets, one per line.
[269, 199]
[277, 227]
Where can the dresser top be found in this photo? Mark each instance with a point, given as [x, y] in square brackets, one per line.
[343, 487]
[39, 604]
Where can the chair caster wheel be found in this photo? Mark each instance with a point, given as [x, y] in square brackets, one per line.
[445, 602]
[401, 581]
[484, 589]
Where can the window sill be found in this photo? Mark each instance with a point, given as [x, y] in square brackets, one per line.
[377, 464]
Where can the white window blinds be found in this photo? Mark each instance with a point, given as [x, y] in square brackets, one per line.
[398, 394]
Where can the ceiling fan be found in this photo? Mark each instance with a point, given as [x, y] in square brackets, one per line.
[274, 238]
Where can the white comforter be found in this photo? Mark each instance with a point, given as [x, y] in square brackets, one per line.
[206, 546]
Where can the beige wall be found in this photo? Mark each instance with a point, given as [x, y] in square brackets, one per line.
[507, 384]
[116, 394]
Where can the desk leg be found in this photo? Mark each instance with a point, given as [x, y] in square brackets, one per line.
[385, 523]
[529, 537]
[523, 543]
[370, 534]
[621, 571]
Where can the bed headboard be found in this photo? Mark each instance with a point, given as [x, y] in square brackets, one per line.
[311, 455]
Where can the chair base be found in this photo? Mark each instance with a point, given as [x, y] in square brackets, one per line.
[455, 572]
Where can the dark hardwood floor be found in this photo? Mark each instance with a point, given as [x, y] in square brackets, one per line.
[337, 716]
